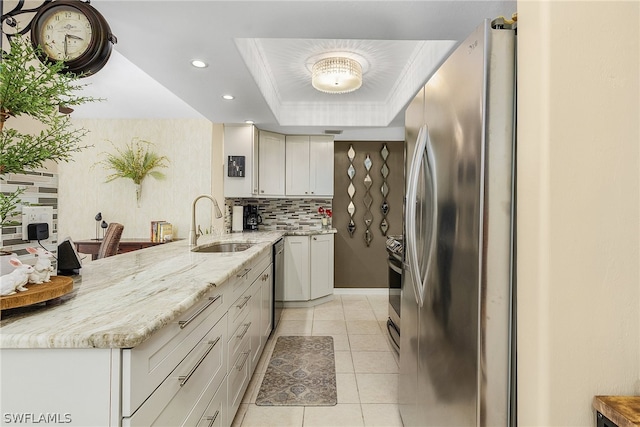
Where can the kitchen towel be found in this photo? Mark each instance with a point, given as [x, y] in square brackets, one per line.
[236, 219]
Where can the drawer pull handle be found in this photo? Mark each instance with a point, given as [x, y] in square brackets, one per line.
[213, 419]
[246, 300]
[183, 323]
[183, 379]
[246, 356]
[246, 329]
[245, 271]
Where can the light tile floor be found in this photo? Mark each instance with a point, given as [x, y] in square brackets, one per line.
[366, 369]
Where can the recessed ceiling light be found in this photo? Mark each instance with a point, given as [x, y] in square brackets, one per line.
[249, 122]
[198, 64]
[228, 96]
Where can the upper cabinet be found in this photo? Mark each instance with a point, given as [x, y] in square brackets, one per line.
[259, 163]
[240, 169]
[309, 165]
[271, 161]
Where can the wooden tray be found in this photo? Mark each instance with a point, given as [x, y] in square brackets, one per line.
[58, 286]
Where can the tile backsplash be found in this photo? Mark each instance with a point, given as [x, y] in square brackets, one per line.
[40, 189]
[281, 212]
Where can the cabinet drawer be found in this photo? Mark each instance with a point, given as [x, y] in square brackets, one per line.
[238, 312]
[216, 413]
[238, 377]
[237, 340]
[184, 395]
[147, 365]
[247, 275]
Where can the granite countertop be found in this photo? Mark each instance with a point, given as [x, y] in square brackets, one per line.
[624, 411]
[118, 302]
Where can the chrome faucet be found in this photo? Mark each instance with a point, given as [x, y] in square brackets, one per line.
[193, 235]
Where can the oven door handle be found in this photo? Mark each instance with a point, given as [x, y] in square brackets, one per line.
[397, 268]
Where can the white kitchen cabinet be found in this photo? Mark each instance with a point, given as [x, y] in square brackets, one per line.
[271, 164]
[296, 268]
[309, 165]
[241, 141]
[321, 265]
[308, 264]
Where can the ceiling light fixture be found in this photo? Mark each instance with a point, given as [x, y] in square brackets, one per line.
[228, 97]
[336, 75]
[249, 122]
[198, 64]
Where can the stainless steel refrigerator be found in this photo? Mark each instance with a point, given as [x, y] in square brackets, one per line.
[456, 298]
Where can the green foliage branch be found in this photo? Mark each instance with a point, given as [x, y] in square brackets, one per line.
[39, 90]
[135, 161]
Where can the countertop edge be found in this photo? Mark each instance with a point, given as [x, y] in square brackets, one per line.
[624, 411]
[163, 265]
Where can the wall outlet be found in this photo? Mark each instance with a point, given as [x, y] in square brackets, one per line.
[36, 214]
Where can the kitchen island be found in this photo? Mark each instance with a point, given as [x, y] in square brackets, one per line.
[162, 335]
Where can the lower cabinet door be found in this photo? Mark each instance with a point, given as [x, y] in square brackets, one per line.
[296, 265]
[184, 395]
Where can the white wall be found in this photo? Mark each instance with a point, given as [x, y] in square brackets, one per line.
[578, 208]
[191, 146]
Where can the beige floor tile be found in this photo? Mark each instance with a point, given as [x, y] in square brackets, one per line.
[363, 327]
[381, 315]
[381, 415]
[344, 363]
[347, 388]
[328, 313]
[242, 410]
[369, 343]
[253, 388]
[380, 362]
[343, 414]
[335, 302]
[378, 388]
[297, 314]
[359, 314]
[275, 416]
[263, 362]
[378, 301]
[333, 327]
[294, 327]
[355, 304]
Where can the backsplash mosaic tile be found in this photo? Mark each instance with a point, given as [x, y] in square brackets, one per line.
[281, 213]
[41, 189]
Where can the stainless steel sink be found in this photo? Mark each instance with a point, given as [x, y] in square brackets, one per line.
[223, 247]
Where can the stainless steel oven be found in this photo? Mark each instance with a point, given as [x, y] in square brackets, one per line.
[395, 251]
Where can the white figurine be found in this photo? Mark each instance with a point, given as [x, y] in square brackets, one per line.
[15, 281]
[43, 266]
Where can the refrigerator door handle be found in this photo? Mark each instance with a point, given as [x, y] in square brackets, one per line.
[411, 219]
[422, 146]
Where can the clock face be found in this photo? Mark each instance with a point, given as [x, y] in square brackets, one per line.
[65, 33]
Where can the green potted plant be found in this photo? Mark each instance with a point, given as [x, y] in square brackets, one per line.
[38, 90]
[135, 162]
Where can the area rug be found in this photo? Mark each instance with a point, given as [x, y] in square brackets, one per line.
[301, 372]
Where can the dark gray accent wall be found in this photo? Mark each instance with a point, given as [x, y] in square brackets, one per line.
[356, 265]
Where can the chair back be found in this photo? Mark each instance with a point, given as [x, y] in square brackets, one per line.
[109, 245]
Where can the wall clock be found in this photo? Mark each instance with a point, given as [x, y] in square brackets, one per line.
[74, 32]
